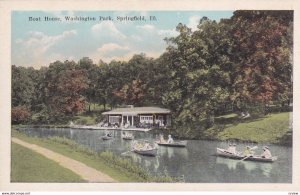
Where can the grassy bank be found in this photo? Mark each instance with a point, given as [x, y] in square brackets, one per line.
[272, 128]
[29, 166]
[120, 169]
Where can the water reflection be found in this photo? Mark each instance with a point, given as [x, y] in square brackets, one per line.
[265, 168]
[197, 161]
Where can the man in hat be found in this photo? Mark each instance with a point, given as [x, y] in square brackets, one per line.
[266, 153]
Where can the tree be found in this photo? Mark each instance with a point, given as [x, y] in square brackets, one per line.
[196, 80]
[132, 93]
[262, 56]
[92, 71]
[19, 114]
[22, 86]
[65, 86]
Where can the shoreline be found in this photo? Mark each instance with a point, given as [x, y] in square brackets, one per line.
[159, 131]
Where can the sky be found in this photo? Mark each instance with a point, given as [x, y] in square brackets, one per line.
[39, 43]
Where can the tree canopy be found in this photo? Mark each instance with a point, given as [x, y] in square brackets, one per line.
[244, 60]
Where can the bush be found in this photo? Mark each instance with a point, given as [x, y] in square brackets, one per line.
[82, 121]
[19, 115]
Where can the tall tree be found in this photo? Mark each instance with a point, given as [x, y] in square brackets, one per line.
[65, 86]
[262, 55]
[22, 86]
[197, 83]
[92, 70]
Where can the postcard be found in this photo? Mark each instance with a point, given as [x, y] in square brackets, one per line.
[137, 95]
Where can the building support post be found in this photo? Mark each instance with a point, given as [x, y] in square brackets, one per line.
[122, 121]
[132, 120]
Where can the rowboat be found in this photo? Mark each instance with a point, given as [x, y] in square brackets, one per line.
[106, 137]
[143, 147]
[127, 136]
[174, 144]
[224, 153]
[149, 152]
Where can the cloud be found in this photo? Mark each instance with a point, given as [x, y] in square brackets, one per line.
[147, 27]
[34, 49]
[109, 48]
[193, 22]
[168, 33]
[107, 29]
[40, 42]
[146, 39]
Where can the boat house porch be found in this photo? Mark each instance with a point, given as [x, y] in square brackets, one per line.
[139, 117]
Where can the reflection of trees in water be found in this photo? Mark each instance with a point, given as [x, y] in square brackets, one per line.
[149, 163]
[170, 152]
[259, 168]
[232, 164]
[266, 168]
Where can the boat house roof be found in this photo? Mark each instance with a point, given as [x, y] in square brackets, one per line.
[137, 110]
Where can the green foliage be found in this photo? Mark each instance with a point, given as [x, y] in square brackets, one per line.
[28, 166]
[239, 64]
[22, 86]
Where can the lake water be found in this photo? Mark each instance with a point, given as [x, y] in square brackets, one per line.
[195, 163]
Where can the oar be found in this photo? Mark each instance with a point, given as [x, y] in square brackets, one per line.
[126, 152]
[245, 158]
[249, 155]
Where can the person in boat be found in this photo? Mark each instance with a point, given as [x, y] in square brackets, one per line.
[248, 151]
[109, 134]
[232, 148]
[170, 139]
[243, 115]
[147, 146]
[137, 145]
[266, 153]
[162, 139]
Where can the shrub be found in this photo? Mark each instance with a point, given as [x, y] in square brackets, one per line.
[19, 115]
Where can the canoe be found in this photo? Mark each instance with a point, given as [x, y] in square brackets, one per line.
[174, 144]
[151, 152]
[224, 153]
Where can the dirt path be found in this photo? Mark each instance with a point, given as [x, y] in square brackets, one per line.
[87, 173]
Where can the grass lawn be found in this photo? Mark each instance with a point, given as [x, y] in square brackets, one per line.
[270, 128]
[85, 120]
[29, 166]
[113, 170]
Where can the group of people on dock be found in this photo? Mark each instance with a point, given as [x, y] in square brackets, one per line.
[250, 151]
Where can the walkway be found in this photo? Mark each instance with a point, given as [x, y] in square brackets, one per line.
[87, 173]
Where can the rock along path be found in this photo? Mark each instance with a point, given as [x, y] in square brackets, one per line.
[87, 173]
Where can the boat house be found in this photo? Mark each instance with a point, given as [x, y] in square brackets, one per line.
[140, 117]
